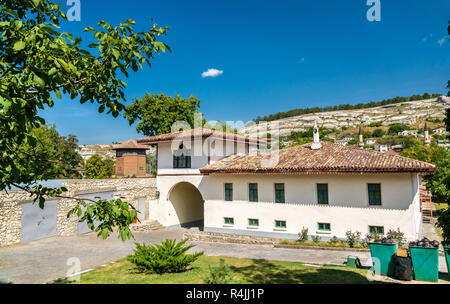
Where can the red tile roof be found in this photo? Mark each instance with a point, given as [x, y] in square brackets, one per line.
[131, 144]
[332, 158]
[183, 135]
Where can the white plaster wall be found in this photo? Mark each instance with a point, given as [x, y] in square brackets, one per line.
[348, 208]
[298, 216]
[200, 149]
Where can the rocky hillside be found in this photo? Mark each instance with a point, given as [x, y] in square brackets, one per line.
[105, 151]
[409, 112]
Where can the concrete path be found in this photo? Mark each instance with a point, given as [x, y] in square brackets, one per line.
[46, 260]
[49, 259]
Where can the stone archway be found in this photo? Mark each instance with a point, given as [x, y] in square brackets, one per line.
[187, 202]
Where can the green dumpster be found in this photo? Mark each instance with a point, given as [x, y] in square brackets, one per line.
[425, 262]
[447, 259]
[383, 258]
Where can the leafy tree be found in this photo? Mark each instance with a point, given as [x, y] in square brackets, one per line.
[439, 181]
[39, 61]
[50, 146]
[97, 168]
[157, 113]
[447, 119]
[396, 128]
[378, 133]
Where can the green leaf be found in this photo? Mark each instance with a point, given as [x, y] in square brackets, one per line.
[58, 94]
[39, 81]
[36, 2]
[19, 45]
[52, 71]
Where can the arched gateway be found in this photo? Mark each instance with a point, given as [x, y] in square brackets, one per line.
[187, 203]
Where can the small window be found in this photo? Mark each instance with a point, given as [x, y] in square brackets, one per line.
[376, 229]
[253, 192]
[181, 161]
[228, 220]
[253, 222]
[324, 227]
[280, 224]
[374, 191]
[322, 194]
[279, 193]
[228, 192]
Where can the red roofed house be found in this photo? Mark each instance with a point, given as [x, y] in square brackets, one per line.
[223, 183]
[130, 159]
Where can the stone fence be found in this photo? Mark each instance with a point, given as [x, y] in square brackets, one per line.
[13, 203]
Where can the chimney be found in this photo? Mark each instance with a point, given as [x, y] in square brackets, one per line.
[426, 135]
[316, 145]
[361, 139]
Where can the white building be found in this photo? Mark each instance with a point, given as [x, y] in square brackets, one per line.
[221, 183]
[409, 133]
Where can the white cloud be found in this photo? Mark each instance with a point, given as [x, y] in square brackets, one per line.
[302, 60]
[441, 41]
[427, 37]
[212, 73]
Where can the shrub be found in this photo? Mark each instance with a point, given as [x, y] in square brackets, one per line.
[334, 240]
[353, 238]
[444, 223]
[315, 238]
[373, 236]
[303, 235]
[164, 258]
[396, 235]
[221, 274]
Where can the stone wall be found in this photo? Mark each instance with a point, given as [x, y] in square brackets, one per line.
[128, 189]
[194, 234]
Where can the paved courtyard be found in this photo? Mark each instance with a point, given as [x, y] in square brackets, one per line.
[46, 260]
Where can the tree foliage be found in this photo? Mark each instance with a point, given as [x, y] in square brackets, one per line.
[97, 168]
[439, 181]
[51, 146]
[157, 113]
[39, 61]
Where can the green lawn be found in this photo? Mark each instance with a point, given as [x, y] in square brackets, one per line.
[245, 271]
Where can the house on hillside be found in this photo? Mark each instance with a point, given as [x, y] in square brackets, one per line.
[409, 133]
[229, 183]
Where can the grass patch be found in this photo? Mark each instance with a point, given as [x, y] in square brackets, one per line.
[245, 271]
[439, 207]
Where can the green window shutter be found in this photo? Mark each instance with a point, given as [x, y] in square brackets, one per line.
[280, 224]
[374, 191]
[228, 221]
[228, 192]
[253, 222]
[324, 227]
[322, 193]
[253, 192]
[279, 193]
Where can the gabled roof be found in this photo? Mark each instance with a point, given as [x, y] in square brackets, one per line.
[131, 144]
[331, 158]
[197, 133]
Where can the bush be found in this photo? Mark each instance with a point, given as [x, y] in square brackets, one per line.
[444, 223]
[303, 235]
[334, 240]
[164, 258]
[315, 238]
[353, 238]
[396, 235]
[219, 275]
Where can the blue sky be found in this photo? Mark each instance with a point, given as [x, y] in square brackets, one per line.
[275, 56]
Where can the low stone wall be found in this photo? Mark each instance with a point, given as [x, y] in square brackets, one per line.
[194, 234]
[129, 189]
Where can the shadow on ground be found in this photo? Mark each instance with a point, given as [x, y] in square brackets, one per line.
[265, 272]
